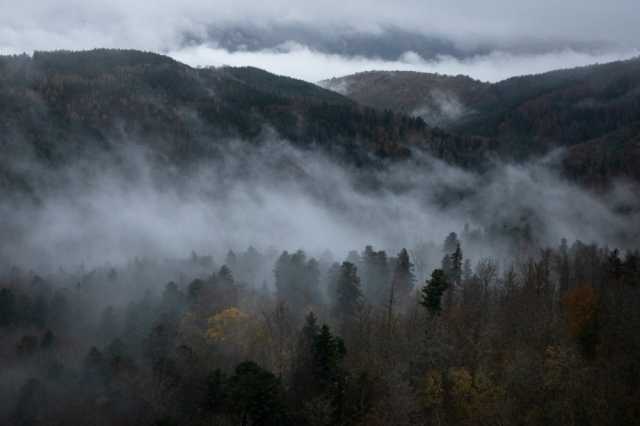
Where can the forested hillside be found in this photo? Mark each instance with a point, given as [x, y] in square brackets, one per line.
[594, 111]
[58, 102]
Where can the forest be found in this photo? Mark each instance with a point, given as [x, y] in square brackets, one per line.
[283, 338]
[224, 246]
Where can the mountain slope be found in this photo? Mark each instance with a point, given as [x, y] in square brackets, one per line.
[60, 102]
[59, 107]
[524, 116]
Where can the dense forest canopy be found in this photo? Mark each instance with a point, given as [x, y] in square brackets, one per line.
[197, 246]
[285, 338]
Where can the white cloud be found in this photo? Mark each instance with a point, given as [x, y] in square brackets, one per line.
[301, 62]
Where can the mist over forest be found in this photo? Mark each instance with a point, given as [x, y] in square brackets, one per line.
[220, 245]
[279, 197]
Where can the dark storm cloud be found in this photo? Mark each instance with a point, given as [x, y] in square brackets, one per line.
[157, 24]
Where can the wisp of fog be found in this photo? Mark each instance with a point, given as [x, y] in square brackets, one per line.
[286, 198]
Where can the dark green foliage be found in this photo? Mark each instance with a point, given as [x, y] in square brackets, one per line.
[159, 343]
[318, 373]
[195, 290]
[431, 293]
[7, 307]
[303, 378]
[256, 396]
[328, 352]
[215, 398]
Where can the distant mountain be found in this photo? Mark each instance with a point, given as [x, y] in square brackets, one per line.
[592, 111]
[438, 99]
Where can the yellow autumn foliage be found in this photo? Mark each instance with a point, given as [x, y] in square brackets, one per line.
[226, 325]
[474, 397]
[461, 382]
[431, 389]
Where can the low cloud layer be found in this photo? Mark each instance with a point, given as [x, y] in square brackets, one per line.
[501, 38]
[301, 62]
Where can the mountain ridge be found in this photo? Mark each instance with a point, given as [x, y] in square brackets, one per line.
[523, 116]
[56, 104]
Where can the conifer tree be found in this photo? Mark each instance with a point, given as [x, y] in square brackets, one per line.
[431, 293]
[348, 293]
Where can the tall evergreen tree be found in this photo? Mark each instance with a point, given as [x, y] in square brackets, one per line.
[303, 385]
[431, 293]
[450, 243]
[456, 266]
[348, 293]
[328, 353]
[297, 280]
[376, 276]
[403, 277]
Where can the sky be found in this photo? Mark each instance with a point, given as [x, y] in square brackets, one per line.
[488, 40]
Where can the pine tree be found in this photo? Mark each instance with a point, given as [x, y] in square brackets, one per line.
[431, 293]
[297, 280]
[376, 275]
[403, 278]
[256, 396]
[302, 378]
[225, 277]
[456, 265]
[467, 271]
[328, 353]
[348, 293]
[450, 243]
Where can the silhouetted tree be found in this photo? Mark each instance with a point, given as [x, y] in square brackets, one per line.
[256, 396]
[431, 293]
[348, 293]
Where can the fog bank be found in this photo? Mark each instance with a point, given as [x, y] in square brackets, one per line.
[281, 197]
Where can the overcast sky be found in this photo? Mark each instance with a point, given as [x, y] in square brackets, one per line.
[497, 38]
